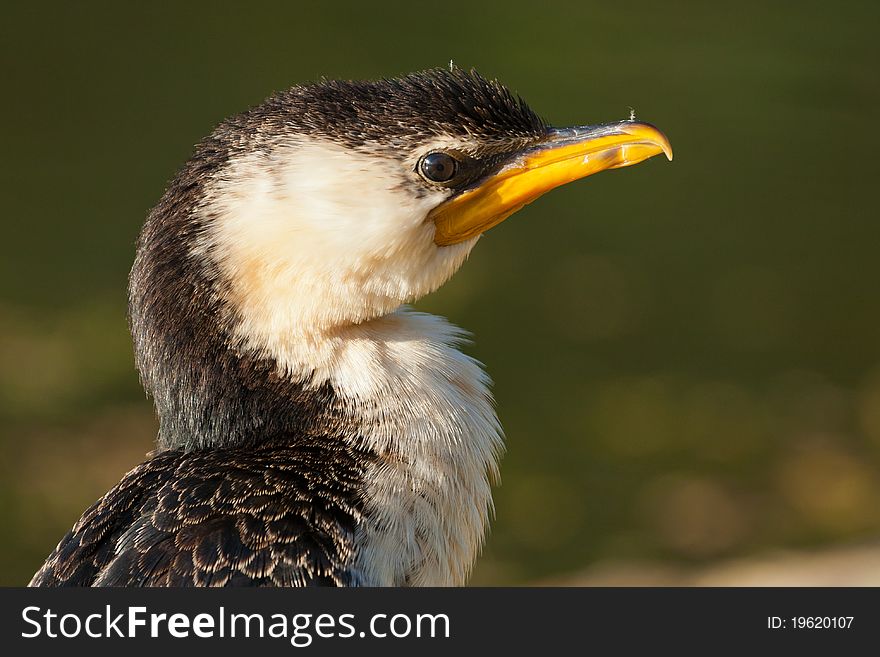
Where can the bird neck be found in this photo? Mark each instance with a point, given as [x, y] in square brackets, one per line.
[208, 393]
[396, 389]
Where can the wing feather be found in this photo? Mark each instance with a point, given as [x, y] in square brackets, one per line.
[269, 516]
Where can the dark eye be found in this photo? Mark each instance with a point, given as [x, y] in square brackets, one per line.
[438, 167]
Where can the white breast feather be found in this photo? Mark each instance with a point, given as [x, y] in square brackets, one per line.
[427, 411]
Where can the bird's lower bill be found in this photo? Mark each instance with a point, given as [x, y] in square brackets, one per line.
[567, 155]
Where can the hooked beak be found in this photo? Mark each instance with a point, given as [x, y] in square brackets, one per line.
[566, 155]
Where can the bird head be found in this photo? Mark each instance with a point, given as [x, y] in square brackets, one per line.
[339, 201]
[333, 203]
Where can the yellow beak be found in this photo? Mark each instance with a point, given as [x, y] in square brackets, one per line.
[567, 155]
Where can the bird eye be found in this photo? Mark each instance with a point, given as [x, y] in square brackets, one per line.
[438, 167]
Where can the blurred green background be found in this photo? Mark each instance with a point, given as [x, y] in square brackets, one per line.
[686, 355]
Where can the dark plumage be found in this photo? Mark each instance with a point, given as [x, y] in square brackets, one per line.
[273, 515]
[396, 112]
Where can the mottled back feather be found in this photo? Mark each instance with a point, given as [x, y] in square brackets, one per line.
[266, 516]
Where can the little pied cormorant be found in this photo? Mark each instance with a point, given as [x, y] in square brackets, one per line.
[312, 429]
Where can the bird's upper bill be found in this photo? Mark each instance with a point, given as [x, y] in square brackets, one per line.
[566, 155]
